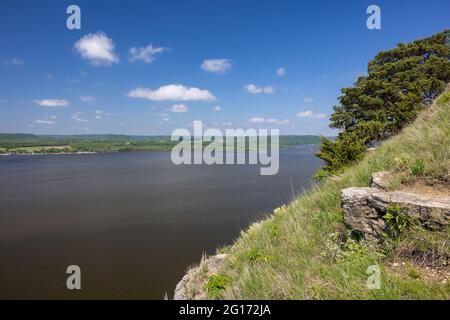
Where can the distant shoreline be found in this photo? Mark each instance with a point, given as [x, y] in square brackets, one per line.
[49, 154]
[9, 154]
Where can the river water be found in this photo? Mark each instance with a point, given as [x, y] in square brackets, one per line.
[133, 222]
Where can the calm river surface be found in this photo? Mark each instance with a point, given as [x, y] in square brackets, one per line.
[133, 221]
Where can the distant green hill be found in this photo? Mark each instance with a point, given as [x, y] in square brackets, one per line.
[29, 143]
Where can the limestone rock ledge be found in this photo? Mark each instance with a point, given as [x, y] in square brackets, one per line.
[364, 209]
[381, 180]
[191, 286]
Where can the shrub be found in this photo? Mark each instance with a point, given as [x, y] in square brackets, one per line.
[321, 175]
[397, 220]
[255, 255]
[216, 285]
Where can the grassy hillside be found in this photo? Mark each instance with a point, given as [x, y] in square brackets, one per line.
[302, 251]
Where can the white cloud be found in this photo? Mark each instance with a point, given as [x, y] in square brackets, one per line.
[279, 121]
[87, 99]
[251, 88]
[254, 89]
[77, 117]
[160, 114]
[281, 72]
[179, 108]
[217, 108]
[52, 103]
[257, 120]
[14, 61]
[173, 92]
[216, 65]
[270, 120]
[311, 115]
[98, 114]
[145, 54]
[308, 99]
[43, 121]
[97, 48]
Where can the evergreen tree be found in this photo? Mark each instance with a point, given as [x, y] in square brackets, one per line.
[400, 83]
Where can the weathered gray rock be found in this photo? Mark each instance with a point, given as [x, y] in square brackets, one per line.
[191, 286]
[364, 209]
[381, 180]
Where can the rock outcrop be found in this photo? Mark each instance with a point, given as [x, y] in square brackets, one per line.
[364, 209]
[381, 180]
[191, 286]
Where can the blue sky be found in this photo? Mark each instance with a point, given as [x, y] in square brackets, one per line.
[215, 61]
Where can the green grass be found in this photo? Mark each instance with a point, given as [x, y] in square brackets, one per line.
[294, 252]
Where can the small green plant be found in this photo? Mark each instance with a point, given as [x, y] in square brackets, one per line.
[275, 232]
[401, 161]
[255, 255]
[444, 98]
[418, 167]
[352, 249]
[412, 272]
[321, 175]
[216, 285]
[397, 220]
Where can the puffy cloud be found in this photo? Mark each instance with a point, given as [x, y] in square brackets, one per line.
[254, 89]
[311, 115]
[216, 65]
[77, 117]
[145, 54]
[257, 120]
[173, 92]
[217, 108]
[270, 120]
[281, 72]
[179, 108]
[97, 48]
[52, 103]
[87, 99]
[251, 88]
